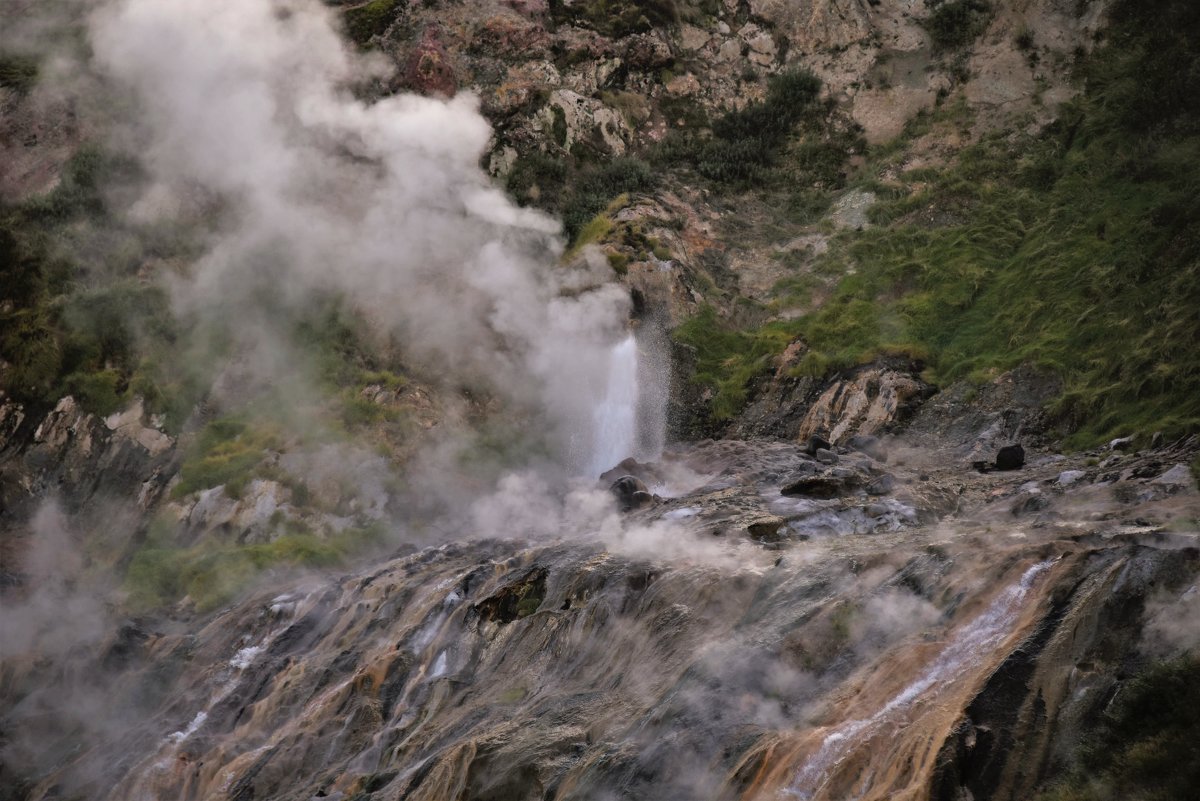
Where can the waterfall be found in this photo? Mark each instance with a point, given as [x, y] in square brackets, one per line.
[980, 636]
[615, 415]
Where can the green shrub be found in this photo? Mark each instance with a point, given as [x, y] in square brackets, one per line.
[747, 145]
[596, 187]
[18, 73]
[957, 23]
[371, 19]
[617, 18]
[225, 453]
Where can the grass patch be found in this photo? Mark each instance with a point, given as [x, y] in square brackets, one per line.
[728, 360]
[212, 574]
[225, 453]
[18, 73]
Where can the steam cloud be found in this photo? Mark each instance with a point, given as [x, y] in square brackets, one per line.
[250, 102]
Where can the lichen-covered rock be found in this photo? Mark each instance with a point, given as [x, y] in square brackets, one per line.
[870, 402]
[429, 68]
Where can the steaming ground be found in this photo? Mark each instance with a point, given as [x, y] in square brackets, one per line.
[630, 657]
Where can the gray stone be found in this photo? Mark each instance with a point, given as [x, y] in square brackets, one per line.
[1068, 477]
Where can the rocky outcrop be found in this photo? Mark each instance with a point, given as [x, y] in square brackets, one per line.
[77, 457]
[873, 401]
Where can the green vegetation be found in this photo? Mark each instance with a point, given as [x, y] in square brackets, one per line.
[578, 192]
[371, 19]
[97, 332]
[1146, 746]
[1076, 250]
[747, 145]
[727, 360]
[956, 23]
[18, 73]
[214, 573]
[617, 17]
[225, 454]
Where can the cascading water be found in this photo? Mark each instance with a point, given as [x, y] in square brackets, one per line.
[981, 636]
[615, 415]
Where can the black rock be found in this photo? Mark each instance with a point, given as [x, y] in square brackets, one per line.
[630, 493]
[981, 466]
[816, 443]
[824, 487]
[1010, 457]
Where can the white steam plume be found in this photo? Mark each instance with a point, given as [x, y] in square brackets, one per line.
[384, 203]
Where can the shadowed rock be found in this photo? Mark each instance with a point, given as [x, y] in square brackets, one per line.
[1010, 457]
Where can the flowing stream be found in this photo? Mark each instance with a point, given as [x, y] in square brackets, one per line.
[979, 637]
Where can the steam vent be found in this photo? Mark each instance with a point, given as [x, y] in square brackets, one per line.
[599, 400]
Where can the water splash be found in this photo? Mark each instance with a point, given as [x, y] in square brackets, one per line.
[615, 416]
[980, 636]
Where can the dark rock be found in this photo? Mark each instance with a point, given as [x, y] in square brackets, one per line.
[519, 599]
[630, 467]
[816, 443]
[871, 446]
[630, 493]
[882, 485]
[1010, 457]
[823, 486]
[647, 51]
[981, 466]
[825, 456]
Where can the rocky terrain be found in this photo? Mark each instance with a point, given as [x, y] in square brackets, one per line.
[599, 399]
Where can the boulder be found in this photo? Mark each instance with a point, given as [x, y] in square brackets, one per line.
[816, 442]
[630, 493]
[1068, 477]
[823, 486]
[1121, 444]
[766, 529]
[1010, 457]
[1177, 476]
[826, 456]
[428, 69]
[871, 401]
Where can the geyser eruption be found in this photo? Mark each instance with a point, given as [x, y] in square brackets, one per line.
[614, 420]
[248, 106]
